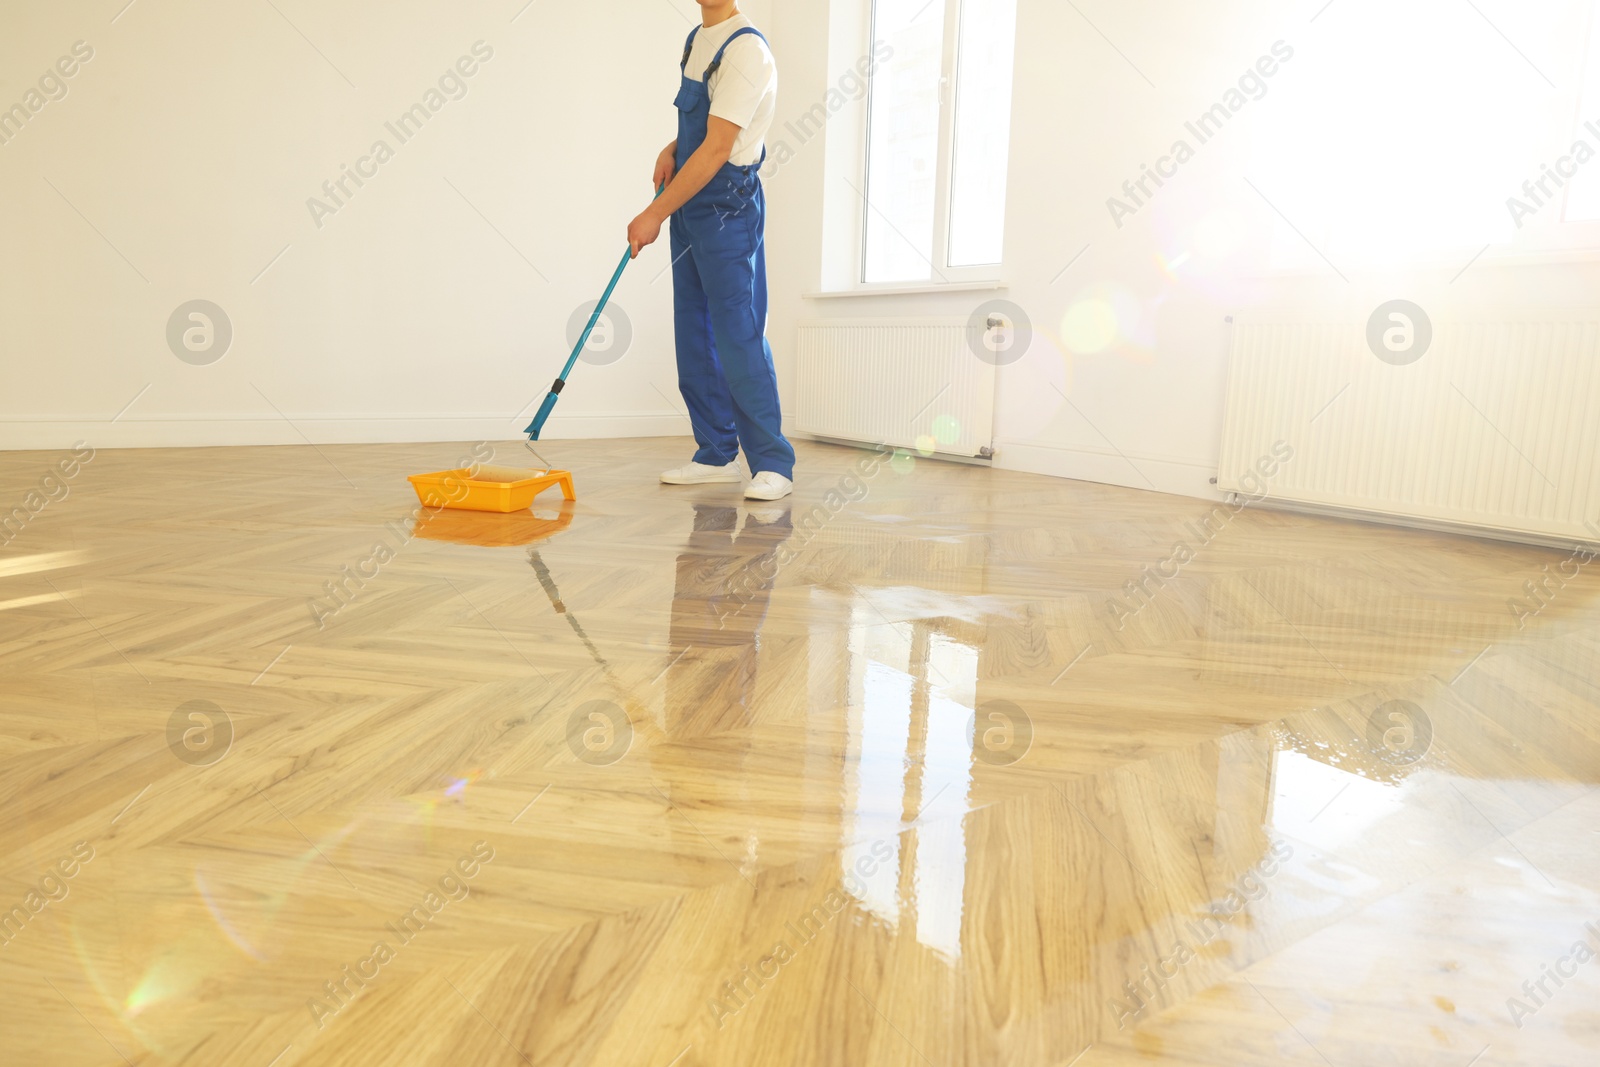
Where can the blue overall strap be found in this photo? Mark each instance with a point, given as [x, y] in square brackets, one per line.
[684, 64]
[717, 62]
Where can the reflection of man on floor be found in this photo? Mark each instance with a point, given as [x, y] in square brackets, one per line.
[725, 577]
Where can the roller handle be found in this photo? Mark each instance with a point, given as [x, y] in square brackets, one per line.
[537, 426]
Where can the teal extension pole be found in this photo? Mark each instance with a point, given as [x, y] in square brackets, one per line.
[537, 426]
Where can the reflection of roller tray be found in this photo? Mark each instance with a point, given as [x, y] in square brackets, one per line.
[487, 529]
[499, 489]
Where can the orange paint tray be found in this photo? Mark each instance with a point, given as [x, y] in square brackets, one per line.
[456, 489]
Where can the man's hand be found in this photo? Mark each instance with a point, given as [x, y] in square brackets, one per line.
[644, 230]
[666, 166]
[697, 173]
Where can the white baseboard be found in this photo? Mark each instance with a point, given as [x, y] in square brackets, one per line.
[944, 457]
[16, 435]
[1150, 473]
[1463, 529]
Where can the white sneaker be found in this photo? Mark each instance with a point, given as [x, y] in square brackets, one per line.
[692, 473]
[768, 485]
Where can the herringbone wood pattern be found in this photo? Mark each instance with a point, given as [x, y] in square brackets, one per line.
[876, 776]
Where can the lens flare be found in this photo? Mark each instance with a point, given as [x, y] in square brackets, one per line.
[1171, 265]
[159, 983]
[427, 804]
[1089, 326]
[459, 786]
[229, 929]
[1100, 318]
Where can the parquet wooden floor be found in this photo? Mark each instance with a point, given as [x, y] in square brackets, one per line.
[929, 765]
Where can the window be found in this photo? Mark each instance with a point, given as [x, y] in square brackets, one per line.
[938, 138]
[1422, 159]
[1583, 196]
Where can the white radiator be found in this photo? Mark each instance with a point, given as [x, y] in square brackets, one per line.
[913, 384]
[1495, 427]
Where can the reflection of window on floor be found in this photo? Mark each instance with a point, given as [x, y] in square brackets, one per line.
[911, 698]
[880, 728]
[1314, 802]
[941, 846]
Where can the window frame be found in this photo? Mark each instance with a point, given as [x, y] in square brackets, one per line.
[942, 273]
[1587, 229]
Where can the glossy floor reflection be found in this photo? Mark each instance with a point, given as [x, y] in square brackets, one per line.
[878, 775]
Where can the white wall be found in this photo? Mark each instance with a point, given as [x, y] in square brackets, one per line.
[188, 146]
[1147, 411]
[182, 158]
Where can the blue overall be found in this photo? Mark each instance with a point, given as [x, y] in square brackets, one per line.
[719, 280]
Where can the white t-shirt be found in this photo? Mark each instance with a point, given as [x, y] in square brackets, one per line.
[744, 90]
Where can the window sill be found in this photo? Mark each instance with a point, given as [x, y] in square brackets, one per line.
[903, 290]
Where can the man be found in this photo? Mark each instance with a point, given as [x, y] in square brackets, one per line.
[713, 196]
